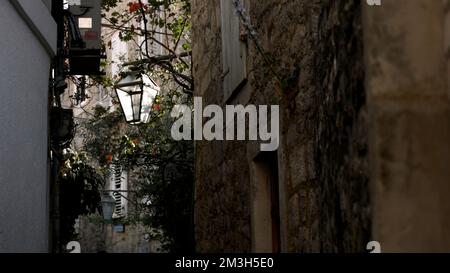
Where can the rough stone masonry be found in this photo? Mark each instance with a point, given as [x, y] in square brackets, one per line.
[355, 83]
[317, 48]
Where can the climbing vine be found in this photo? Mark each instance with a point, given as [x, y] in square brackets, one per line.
[163, 169]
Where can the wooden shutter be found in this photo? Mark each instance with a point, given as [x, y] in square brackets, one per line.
[119, 184]
[233, 49]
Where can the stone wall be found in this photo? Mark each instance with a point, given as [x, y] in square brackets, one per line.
[407, 45]
[222, 194]
[95, 237]
[315, 50]
[324, 152]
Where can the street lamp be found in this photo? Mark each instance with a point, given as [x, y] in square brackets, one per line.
[136, 93]
[108, 204]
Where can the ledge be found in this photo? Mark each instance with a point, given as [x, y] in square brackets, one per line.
[39, 19]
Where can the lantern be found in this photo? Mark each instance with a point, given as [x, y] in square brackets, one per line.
[136, 93]
[108, 204]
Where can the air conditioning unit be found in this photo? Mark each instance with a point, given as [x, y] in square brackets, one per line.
[85, 47]
[61, 126]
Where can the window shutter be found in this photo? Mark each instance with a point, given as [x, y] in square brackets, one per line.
[233, 49]
[119, 185]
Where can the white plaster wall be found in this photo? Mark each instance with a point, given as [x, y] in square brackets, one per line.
[24, 72]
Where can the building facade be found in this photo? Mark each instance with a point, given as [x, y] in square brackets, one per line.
[28, 45]
[125, 236]
[364, 125]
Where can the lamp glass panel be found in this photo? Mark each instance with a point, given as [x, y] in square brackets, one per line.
[108, 207]
[126, 103]
[136, 100]
[150, 90]
[131, 83]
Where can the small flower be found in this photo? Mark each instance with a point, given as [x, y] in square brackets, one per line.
[136, 6]
[157, 107]
[109, 158]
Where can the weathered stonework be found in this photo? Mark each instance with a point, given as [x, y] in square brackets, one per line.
[365, 126]
[407, 45]
[316, 47]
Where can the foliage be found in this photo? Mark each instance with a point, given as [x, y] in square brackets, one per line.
[79, 188]
[166, 184]
[164, 24]
[165, 168]
[103, 136]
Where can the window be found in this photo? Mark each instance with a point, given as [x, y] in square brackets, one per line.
[102, 92]
[85, 22]
[233, 49]
[265, 204]
[104, 99]
[74, 2]
[119, 186]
